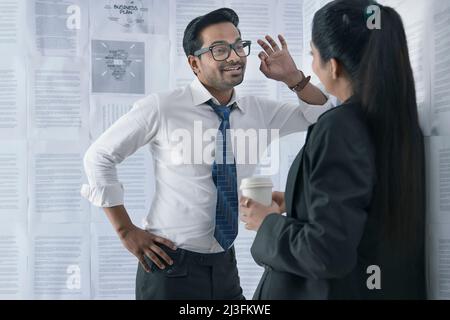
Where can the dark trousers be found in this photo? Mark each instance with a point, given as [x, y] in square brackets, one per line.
[192, 276]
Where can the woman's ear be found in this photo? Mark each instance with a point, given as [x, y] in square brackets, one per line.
[334, 69]
[193, 62]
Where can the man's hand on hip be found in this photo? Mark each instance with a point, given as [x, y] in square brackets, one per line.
[142, 243]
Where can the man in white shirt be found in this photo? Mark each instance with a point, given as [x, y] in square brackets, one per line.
[186, 247]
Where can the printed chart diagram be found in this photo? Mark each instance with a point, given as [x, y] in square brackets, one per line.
[127, 13]
[118, 67]
[122, 16]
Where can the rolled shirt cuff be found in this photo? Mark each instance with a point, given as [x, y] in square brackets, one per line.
[313, 112]
[103, 196]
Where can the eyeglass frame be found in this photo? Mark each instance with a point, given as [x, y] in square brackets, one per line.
[201, 51]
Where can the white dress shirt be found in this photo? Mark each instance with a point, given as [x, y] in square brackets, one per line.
[183, 209]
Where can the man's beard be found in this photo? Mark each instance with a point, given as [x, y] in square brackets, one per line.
[233, 81]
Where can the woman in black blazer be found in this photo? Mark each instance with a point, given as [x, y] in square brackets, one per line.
[355, 194]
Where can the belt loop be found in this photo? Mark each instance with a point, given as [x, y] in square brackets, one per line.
[182, 253]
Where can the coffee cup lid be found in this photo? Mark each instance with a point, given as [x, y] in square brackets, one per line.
[256, 182]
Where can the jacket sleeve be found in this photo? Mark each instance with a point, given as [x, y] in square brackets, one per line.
[339, 194]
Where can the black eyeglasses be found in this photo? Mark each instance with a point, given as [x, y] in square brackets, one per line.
[221, 51]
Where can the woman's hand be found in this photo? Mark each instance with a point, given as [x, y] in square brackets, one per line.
[253, 213]
[278, 198]
[276, 63]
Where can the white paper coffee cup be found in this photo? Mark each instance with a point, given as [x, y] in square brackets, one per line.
[258, 188]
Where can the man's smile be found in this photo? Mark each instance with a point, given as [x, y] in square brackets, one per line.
[233, 70]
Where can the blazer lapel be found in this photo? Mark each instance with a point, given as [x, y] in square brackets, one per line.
[294, 174]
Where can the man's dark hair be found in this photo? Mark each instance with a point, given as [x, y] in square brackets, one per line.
[192, 40]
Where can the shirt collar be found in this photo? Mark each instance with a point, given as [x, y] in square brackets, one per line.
[201, 95]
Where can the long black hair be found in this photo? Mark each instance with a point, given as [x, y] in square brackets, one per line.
[378, 65]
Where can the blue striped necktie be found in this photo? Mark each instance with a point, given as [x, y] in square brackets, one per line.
[224, 177]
